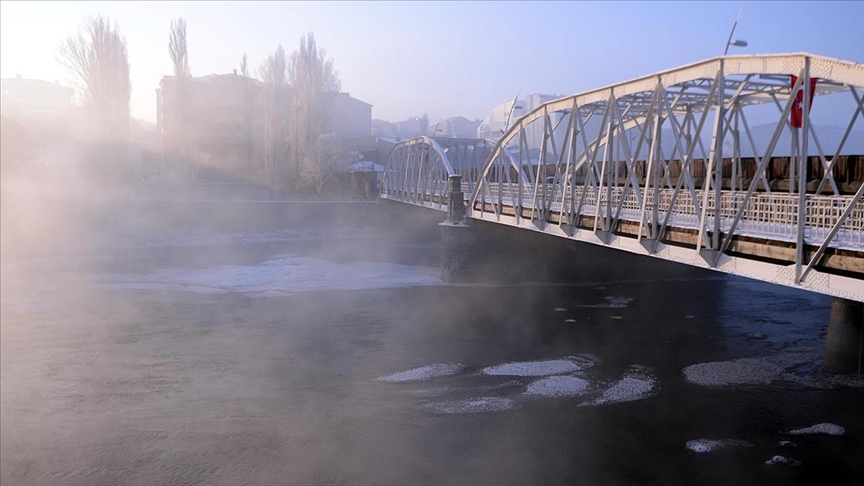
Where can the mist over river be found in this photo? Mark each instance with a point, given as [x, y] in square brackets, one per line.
[324, 349]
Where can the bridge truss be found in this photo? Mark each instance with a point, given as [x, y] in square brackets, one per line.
[655, 166]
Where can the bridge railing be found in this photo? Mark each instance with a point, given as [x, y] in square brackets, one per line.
[768, 215]
[418, 170]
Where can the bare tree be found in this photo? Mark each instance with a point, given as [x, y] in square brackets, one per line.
[97, 57]
[247, 112]
[244, 66]
[325, 158]
[180, 146]
[273, 73]
[177, 48]
[314, 85]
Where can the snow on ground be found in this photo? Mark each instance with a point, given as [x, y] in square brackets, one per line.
[558, 386]
[702, 446]
[471, 405]
[540, 368]
[823, 428]
[280, 276]
[423, 373]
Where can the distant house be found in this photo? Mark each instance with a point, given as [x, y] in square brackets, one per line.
[458, 127]
[502, 117]
[223, 129]
[384, 129]
[35, 99]
[39, 118]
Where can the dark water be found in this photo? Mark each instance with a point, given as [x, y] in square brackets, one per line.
[105, 384]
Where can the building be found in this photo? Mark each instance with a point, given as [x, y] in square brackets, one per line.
[410, 128]
[385, 129]
[41, 116]
[223, 136]
[458, 127]
[504, 115]
[34, 98]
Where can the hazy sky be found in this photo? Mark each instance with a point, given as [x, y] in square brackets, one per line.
[443, 58]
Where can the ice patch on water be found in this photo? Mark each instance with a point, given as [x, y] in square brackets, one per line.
[636, 384]
[823, 428]
[747, 371]
[701, 446]
[612, 303]
[558, 386]
[423, 373]
[503, 386]
[540, 368]
[471, 405]
[430, 392]
[280, 276]
[783, 460]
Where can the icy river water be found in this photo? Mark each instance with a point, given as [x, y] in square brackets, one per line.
[305, 356]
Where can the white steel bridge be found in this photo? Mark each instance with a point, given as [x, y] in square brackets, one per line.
[668, 166]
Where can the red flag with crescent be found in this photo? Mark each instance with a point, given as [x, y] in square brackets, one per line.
[796, 118]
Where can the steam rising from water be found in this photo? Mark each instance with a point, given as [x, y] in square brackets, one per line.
[280, 276]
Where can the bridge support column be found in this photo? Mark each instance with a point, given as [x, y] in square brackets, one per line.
[455, 200]
[845, 342]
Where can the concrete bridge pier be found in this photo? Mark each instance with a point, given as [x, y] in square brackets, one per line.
[472, 251]
[461, 244]
[844, 345]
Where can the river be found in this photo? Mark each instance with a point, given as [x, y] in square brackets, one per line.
[337, 356]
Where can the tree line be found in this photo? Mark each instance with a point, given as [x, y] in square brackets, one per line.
[299, 153]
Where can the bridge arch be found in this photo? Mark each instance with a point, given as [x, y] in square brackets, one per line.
[418, 169]
[628, 163]
[628, 114]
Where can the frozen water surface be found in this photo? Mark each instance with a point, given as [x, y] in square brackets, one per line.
[702, 446]
[747, 371]
[540, 368]
[471, 405]
[423, 373]
[612, 303]
[783, 460]
[558, 386]
[823, 428]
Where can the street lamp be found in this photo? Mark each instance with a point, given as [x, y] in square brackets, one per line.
[736, 42]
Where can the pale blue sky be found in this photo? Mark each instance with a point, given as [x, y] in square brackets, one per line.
[443, 58]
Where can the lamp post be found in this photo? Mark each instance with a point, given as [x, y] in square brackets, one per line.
[736, 42]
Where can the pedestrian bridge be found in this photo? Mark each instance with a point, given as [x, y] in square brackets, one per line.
[719, 164]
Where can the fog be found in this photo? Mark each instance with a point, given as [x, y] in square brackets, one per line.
[221, 297]
[237, 339]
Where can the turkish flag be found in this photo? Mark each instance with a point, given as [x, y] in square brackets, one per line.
[796, 118]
